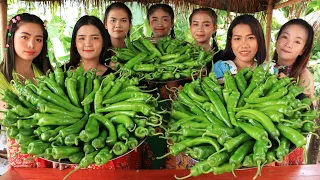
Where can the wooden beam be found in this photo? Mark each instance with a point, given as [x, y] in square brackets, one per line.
[284, 4]
[3, 24]
[268, 28]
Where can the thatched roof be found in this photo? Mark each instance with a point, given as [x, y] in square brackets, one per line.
[240, 6]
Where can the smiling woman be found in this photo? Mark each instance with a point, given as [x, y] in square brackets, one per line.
[245, 46]
[89, 45]
[25, 54]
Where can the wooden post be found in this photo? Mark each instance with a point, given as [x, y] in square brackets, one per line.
[3, 24]
[269, 27]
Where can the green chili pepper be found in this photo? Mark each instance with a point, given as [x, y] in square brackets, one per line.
[71, 139]
[112, 138]
[260, 150]
[103, 156]
[72, 91]
[76, 157]
[27, 123]
[132, 143]
[48, 135]
[294, 136]
[100, 141]
[37, 147]
[240, 154]
[141, 132]
[283, 148]
[91, 130]
[201, 152]
[12, 132]
[255, 132]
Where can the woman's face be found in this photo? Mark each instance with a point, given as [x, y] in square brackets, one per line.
[160, 23]
[291, 43]
[28, 41]
[89, 42]
[244, 44]
[117, 23]
[202, 27]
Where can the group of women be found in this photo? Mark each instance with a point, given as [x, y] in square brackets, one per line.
[26, 49]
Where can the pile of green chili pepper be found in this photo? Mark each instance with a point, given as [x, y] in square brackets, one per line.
[167, 59]
[252, 116]
[79, 116]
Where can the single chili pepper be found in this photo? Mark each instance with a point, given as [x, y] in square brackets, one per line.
[119, 148]
[309, 127]
[177, 105]
[85, 161]
[124, 96]
[125, 120]
[148, 44]
[130, 46]
[201, 152]
[72, 91]
[76, 157]
[51, 119]
[283, 148]
[132, 143]
[175, 114]
[218, 130]
[255, 132]
[37, 147]
[27, 123]
[277, 95]
[81, 83]
[240, 154]
[294, 136]
[103, 156]
[310, 115]
[254, 123]
[215, 87]
[187, 132]
[282, 108]
[241, 82]
[231, 104]
[59, 77]
[48, 108]
[61, 152]
[201, 140]
[129, 106]
[248, 161]
[122, 132]
[12, 132]
[112, 138]
[180, 59]
[100, 141]
[47, 135]
[91, 130]
[141, 132]
[221, 112]
[306, 101]
[88, 148]
[176, 125]
[71, 139]
[271, 156]
[260, 150]
[58, 142]
[280, 84]
[197, 170]
[263, 119]
[136, 60]
[235, 142]
[226, 167]
[229, 82]
[190, 90]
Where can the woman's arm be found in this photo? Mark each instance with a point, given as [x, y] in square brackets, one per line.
[306, 80]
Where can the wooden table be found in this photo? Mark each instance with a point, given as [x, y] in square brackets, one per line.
[304, 172]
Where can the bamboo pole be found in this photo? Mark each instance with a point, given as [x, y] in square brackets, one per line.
[269, 27]
[284, 4]
[3, 23]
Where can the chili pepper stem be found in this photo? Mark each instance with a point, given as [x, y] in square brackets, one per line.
[148, 91]
[232, 169]
[71, 172]
[258, 169]
[131, 130]
[288, 121]
[210, 134]
[161, 157]
[270, 143]
[184, 177]
[312, 134]
[305, 121]
[172, 89]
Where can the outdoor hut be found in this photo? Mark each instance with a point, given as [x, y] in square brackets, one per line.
[238, 6]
